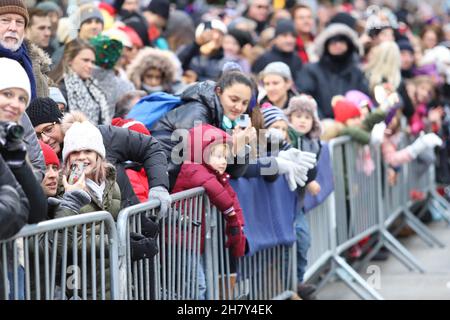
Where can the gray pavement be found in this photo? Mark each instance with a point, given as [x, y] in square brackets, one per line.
[397, 282]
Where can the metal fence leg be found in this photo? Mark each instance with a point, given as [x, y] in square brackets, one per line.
[401, 253]
[421, 230]
[353, 279]
[445, 213]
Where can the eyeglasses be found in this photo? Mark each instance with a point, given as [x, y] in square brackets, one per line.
[7, 22]
[47, 131]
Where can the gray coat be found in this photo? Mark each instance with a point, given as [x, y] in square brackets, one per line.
[33, 148]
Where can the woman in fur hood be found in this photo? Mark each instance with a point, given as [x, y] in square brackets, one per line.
[153, 70]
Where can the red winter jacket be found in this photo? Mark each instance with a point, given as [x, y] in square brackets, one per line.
[196, 173]
[138, 179]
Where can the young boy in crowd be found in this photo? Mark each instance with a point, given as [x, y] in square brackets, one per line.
[282, 133]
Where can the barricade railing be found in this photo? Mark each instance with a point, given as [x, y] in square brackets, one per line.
[361, 207]
[267, 274]
[58, 259]
[67, 258]
[172, 274]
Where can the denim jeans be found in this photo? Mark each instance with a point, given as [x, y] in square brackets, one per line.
[303, 243]
[20, 284]
[201, 279]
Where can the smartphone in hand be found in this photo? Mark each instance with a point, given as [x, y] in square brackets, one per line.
[76, 170]
[243, 121]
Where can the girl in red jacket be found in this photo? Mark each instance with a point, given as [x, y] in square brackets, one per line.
[205, 166]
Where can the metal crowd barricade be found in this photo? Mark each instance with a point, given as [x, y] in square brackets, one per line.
[322, 240]
[58, 260]
[173, 273]
[356, 213]
[268, 274]
[420, 177]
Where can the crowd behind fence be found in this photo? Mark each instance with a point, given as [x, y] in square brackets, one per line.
[89, 256]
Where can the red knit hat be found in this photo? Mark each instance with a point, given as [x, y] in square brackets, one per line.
[131, 125]
[49, 154]
[345, 109]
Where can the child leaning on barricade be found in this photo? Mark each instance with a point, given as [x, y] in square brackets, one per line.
[394, 157]
[300, 131]
[205, 167]
[304, 132]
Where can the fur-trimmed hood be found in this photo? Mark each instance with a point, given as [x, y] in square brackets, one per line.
[335, 29]
[152, 58]
[41, 67]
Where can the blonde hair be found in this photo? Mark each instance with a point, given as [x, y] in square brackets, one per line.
[384, 65]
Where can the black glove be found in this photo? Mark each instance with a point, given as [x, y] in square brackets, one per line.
[14, 153]
[150, 228]
[142, 247]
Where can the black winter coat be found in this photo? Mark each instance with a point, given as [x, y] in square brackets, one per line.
[206, 68]
[14, 206]
[324, 79]
[200, 105]
[289, 58]
[123, 145]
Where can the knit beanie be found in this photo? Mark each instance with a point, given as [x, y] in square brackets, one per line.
[90, 11]
[50, 6]
[56, 95]
[344, 110]
[404, 44]
[83, 136]
[50, 156]
[242, 37]
[12, 75]
[44, 110]
[359, 98]
[272, 114]
[107, 51]
[285, 26]
[279, 68]
[160, 8]
[15, 6]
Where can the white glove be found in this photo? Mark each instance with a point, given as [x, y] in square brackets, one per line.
[161, 194]
[423, 143]
[294, 173]
[377, 134]
[301, 158]
[432, 140]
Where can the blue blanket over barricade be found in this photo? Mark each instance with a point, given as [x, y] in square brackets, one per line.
[269, 210]
[324, 178]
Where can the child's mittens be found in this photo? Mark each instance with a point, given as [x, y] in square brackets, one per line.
[235, 236]
[377, 134]
[424, 142]
[313, 188]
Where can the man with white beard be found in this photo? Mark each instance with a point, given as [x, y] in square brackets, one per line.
[13, 21]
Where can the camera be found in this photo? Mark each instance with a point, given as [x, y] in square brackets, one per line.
[10, 132]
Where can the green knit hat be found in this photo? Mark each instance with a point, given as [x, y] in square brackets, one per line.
[107, 51]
